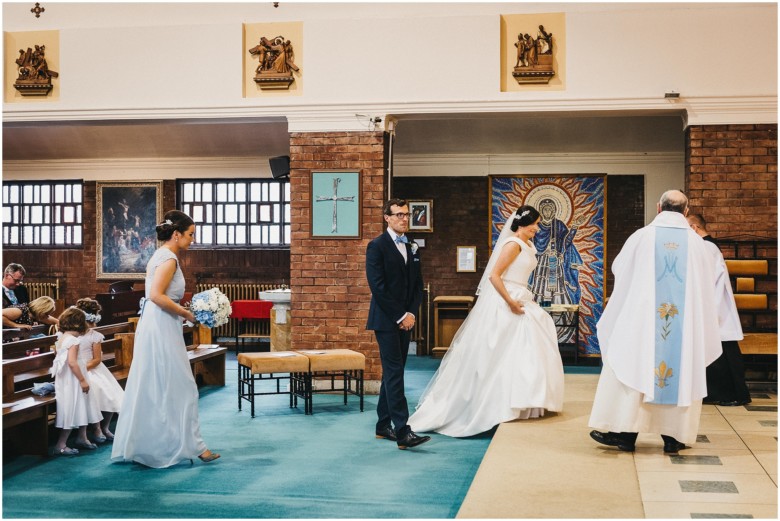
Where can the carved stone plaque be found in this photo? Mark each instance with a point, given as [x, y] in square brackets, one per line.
[275, 71]
[534, 58]
[34, 77]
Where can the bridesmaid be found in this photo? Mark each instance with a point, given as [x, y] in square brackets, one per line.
[158, 426]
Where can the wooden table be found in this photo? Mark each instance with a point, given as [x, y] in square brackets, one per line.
[449, 312]
[567, 325]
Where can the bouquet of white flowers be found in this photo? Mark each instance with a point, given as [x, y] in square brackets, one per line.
[211, 307]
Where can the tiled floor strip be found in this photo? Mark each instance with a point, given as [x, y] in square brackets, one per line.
[550, 468]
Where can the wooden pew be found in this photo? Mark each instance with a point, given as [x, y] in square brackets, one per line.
[16, 334]
[22, 348]
[25, 415]
[207, 363]
[759, 346]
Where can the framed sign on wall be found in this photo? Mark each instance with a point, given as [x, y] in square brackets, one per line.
[335, 204]
[127, 215]
[467, 259]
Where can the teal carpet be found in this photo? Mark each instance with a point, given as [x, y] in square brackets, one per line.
[280, 464]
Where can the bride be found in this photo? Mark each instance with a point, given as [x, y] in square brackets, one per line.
[503, 363]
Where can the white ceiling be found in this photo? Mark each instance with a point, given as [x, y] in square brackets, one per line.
[268, 137]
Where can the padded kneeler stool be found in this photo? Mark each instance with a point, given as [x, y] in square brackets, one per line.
[343, 364]
[277, 365]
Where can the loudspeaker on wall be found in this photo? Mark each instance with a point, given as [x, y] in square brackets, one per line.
[280, 166]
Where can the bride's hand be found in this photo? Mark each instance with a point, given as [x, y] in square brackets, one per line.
[517, 307]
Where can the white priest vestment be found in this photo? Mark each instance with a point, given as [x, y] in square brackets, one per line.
[728, 316]
[627, 338]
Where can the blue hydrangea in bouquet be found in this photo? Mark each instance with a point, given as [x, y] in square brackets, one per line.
[211, 307]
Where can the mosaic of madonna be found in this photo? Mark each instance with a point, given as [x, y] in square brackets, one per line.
[570, 242]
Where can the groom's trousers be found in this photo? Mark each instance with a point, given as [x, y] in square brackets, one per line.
[392, 405]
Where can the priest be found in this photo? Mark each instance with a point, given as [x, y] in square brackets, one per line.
[658, 333]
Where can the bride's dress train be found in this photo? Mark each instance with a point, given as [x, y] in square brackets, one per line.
[500, 366]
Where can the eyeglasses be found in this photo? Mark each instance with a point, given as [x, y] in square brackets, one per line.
[401, 215]
[18, 281]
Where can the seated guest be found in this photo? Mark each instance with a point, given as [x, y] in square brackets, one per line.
[24, 316]
[14, 291]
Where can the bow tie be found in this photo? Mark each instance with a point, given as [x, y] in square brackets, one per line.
[401, 238]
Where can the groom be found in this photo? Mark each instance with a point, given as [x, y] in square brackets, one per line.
[393, 272]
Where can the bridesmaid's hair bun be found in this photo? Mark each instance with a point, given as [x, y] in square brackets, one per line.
[174, 221]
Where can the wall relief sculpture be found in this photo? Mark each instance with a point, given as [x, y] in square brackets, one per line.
[34, 74]
[534, 58]
[276, 67]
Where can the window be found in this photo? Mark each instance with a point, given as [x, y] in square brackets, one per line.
[42, 214]
[251, 213]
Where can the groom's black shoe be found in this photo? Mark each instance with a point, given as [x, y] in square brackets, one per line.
[613, 440]
[410, 439]
[386, 433]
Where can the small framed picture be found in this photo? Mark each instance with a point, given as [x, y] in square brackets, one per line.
[467, 258]
[421, 215]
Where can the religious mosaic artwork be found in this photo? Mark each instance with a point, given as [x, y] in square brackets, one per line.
[335, 204]
[534, 57]
[570, 243]
[276, 67]
[34, 76]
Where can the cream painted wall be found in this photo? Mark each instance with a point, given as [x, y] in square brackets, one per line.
[158, 60]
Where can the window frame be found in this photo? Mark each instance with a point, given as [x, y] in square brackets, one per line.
[49, 210]
[219, 207]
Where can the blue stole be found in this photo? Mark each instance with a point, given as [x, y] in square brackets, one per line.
[671, 263]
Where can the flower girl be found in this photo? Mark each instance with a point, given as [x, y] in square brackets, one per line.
[74, 407]
[105, 391]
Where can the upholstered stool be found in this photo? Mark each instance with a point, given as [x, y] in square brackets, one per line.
[343, 364]
[277, 365]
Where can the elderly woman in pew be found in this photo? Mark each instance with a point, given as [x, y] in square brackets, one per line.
[24, 316]
[104, 388]
[159, 426]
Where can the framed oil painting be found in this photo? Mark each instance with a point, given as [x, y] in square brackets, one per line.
[570, 243]
[335, 204]
[421, 215]
[127, 215]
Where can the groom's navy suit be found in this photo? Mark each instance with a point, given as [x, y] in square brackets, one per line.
[396, 289]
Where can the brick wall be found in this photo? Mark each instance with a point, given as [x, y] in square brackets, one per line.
[731, 178]
[460, 218]
[625, 215]
[327, 276]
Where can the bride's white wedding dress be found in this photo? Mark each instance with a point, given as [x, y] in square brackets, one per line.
[500, 366]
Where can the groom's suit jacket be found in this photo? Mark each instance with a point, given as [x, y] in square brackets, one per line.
[396, 286]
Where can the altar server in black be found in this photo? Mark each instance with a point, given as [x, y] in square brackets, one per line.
[395, 279]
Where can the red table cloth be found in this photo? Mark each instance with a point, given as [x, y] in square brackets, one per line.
[243, 309]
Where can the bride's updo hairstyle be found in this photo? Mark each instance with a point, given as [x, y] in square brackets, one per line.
[524, 216]
[173, 221]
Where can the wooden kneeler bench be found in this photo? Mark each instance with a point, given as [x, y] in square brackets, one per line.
[301, 368]
[332, 364]
[276, 365]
